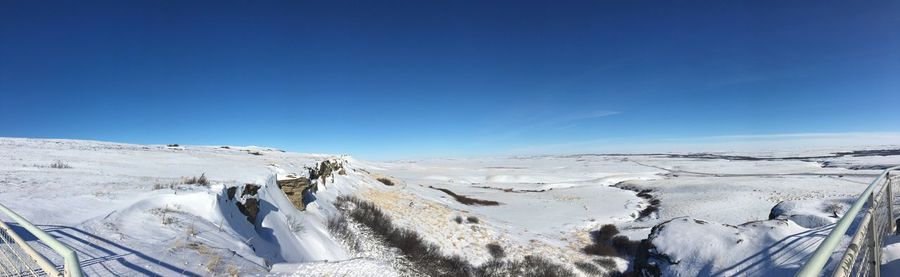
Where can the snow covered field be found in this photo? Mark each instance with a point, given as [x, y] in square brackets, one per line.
[126, 210]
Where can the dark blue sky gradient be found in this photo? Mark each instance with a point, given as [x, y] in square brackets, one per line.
[389, 79]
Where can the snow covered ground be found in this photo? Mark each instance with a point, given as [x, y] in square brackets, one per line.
[126, 210]
[552, 202]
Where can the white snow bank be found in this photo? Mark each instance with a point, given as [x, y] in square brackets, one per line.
[690, 247]
[311, 243]
[124, 209]
[812, 213]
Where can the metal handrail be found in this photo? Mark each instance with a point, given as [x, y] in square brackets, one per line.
[823, 253]
[45, 265]
[72, 267]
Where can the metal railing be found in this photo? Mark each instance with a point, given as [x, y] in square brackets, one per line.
[862, 255]
[17, 258]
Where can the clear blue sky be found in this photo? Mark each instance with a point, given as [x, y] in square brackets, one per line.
[395, 79]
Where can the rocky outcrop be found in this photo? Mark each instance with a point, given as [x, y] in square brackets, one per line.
[301, 190]
[295, 188]
[325, 169]
[248, 202]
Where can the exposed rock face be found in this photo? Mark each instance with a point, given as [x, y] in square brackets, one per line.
[300, 190]
[326, 169]
[295, 189]
[248, 203]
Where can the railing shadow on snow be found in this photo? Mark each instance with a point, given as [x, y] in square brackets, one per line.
[791, 250]
[89, 258]
[22, 232]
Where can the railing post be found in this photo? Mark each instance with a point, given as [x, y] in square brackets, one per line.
[890, 202]
[872, 238]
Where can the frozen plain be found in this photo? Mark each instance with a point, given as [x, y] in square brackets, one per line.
[124, 209]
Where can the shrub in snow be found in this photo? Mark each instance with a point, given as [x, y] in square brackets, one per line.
[197, 180]
[429, 258]
[494, 267]
[458, 219]
[607, 242]
[834, 209]
[472, 219]
[340, 229]
[427, 255]
[604, 234]
[623, 245]
[338, 225]
[602, 249]
[537, 266]
[385, 181]
[589, 269]
[496, 251]
[607, 264]
[59, 164]
[528, 266]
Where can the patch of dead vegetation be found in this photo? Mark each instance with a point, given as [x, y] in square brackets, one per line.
[200, 181]
[467, 200]
[431, 260]
[385, 181]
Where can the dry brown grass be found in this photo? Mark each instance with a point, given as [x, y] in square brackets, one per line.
[213, 264]
[233, 271]
[196, 180]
